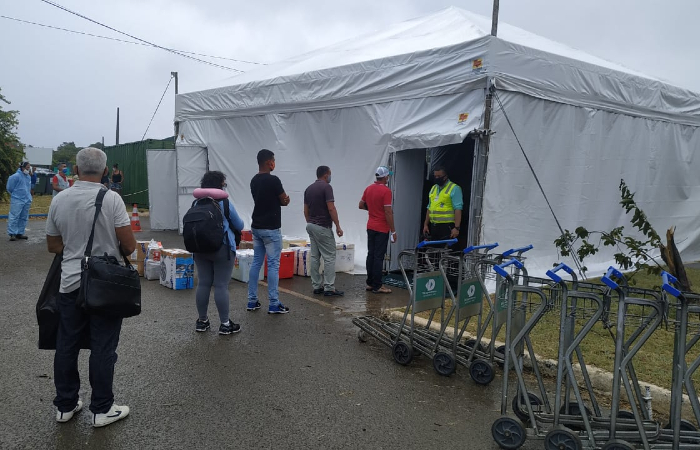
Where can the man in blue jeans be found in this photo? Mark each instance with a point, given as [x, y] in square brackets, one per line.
[269, 197]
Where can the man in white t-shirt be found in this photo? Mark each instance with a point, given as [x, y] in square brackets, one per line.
[67, 231]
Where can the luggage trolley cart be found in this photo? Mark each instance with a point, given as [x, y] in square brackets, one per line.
[426, 293]
[638, 313]
[570, 419]
[496, 316]
[467, 303]
[684, 316]
[523, 305]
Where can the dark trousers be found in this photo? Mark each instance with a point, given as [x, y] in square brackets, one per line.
[104, 338]
[440, 231]
[376, 249]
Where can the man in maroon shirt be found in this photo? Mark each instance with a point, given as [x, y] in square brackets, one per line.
[380, 225]
[320, 214]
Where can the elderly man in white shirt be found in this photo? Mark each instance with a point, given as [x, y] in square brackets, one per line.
[67, 231]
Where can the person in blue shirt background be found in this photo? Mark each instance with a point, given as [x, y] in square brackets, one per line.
[19, 185]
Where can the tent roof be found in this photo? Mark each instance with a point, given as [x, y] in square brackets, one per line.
[444, 28]
[431, 56]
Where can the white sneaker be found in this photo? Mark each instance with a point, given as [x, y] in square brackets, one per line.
[66, 416]
[115, 413]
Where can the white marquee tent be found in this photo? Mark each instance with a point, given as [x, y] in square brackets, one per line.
[385, 98]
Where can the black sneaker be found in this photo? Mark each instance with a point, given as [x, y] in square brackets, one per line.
[202, 325]
[334, 293]
[318, 291]
[13, 237]
[230, 328]
[22, 236]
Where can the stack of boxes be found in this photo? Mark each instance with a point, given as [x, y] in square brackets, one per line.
[152, 266]
[138, 257]
[294, 260]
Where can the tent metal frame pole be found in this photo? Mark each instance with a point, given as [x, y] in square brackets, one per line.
[481, 153]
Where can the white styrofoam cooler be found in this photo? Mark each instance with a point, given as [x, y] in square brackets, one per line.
[344, 259]
[241, 266]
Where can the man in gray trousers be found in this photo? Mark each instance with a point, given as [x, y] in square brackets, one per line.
[320, 214]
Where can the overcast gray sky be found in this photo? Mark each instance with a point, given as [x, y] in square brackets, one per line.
[67, 86]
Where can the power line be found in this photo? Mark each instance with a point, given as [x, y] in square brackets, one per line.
[123, 40]
[56, 5]
[154, 112]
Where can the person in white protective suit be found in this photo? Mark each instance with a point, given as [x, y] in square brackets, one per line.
[19, 185]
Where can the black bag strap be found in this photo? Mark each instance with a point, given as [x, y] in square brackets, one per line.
[98, 208]
[230, 224]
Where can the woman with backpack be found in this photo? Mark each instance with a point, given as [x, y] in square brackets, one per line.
[214, 265]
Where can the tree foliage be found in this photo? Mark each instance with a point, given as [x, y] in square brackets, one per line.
[631, 253]
[65, 153]
[11, 149]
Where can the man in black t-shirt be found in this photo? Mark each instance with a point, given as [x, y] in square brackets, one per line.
[269, 197]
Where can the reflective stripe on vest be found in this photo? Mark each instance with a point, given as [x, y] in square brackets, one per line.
[441, 209]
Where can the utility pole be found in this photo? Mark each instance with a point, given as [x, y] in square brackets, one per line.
[117, 143]
[177, 124]
[494, 19]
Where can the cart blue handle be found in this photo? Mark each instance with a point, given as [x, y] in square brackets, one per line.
[507, 253]
[471, 248]
[668, 279]
[610, 273]
[553, 272]
[501, 269]
[426, 243]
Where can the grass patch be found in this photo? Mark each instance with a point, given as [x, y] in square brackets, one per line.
[40, 205]
[652, 363]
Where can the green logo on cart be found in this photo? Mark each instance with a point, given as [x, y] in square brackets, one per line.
[502, 302]
[470, 293]
[430, 288]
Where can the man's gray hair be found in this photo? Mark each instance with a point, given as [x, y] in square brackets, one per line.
[91, 161]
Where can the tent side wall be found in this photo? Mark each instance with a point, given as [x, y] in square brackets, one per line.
[579, 155]
[351, 141]
[131, 158]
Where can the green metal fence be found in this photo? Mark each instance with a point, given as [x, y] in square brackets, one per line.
[131, 158]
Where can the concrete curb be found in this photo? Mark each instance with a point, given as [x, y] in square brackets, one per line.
[600, 379]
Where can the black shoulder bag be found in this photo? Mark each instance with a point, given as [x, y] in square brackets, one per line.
[106, 287]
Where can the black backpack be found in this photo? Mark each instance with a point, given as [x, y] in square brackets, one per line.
[203, 226]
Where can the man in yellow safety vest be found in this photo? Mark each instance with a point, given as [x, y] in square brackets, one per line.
[445, 203]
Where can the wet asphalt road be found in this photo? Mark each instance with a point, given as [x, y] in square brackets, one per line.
[296, 381]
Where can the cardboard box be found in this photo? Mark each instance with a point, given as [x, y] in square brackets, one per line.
[152, 269]
[289, 241]
[245, 245]
[241, 266]
[177, 269]
[141, 251]
[139, 267]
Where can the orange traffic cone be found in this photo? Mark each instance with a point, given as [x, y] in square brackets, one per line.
[135, 222]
